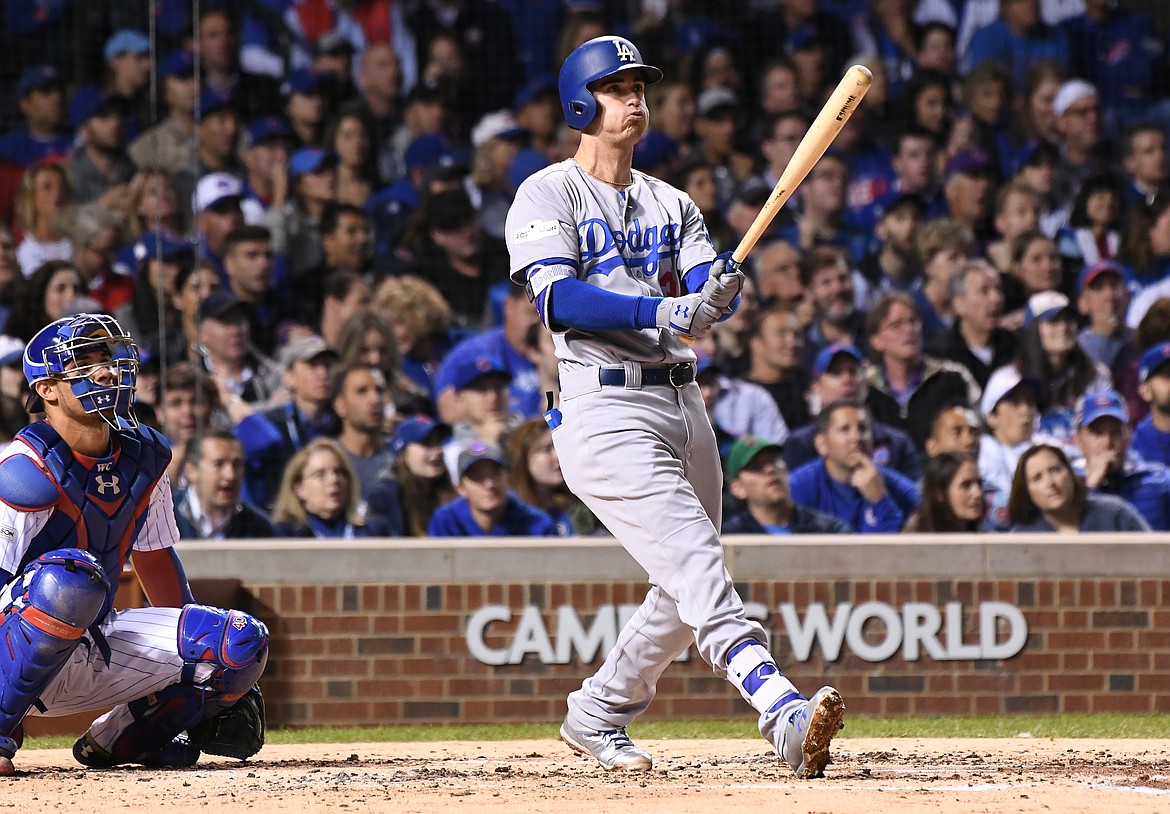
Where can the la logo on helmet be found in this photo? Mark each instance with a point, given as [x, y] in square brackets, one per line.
[624, 52]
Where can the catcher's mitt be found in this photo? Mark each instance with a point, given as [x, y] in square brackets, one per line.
[236, 732]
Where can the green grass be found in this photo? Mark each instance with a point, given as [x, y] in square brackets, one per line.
[1063, 726]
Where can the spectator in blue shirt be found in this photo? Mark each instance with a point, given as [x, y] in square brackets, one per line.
[1109, 467]
[485, 507]
[845, 482]
[758, 477]
[41, 91]
[1151, 437]
[1018, 39]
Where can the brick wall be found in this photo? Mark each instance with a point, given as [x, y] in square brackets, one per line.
[363, 654]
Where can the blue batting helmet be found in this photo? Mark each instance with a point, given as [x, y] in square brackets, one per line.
[593, 60]
[57, 351]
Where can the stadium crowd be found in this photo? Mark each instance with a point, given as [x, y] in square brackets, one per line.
[296, 207]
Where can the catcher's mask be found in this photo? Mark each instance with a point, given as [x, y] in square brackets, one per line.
[58, 352]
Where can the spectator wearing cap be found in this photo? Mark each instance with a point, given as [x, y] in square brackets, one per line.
[305, 106]
[99, 167]
[218, 45]
[907, 387]
[757, 475]
[333, 59]
[1109, 467]
[418, 482]
[225, 351]
[1084, 150]
[319, 497]
[496, 139]
[507, 343]
[254, 278]
[967, 191]
[1143, 156]
[127, 57]
[716, 111]
[218, 198]
[894, 261]
[975, 339]
[265, 160]
[1102, 298]
[537, 109]
[211, 505]
[41, 94]
[838, 374]
[432, 165]
[1009, 408]
[360, 399]
[446, 245]
[219, 136]
[777, 354]
[1050, 354]
[170, 144]
[485, 507]
[1018, 39]
[96, 233]
[845, 483]
[295, 222]
[1151, 437]
[380, 90]
[424, 113]
[481, 386]
[160, 261]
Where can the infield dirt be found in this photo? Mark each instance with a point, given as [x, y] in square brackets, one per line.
[705, 777]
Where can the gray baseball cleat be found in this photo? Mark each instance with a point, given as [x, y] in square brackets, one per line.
[806, 735]
[613, 749]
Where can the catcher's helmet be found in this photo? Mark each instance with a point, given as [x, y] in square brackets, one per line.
[55, 353]
[593, 60]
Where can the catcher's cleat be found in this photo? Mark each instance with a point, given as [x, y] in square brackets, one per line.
[613, 749]
[6, 767]
[806, 736]
[178, 754]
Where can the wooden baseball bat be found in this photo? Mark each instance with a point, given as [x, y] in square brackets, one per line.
[828, 123]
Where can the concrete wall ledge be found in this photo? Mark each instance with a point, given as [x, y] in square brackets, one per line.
[917, 556]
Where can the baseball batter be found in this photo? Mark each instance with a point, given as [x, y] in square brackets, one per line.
[81, 493]
[621, 270]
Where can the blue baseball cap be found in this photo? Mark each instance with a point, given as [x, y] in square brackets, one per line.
[178, 64]
[466, 370]
[304, 81]
[1046, 305]
[431, 149]
[1100, 404]
[213, 101]
[415, 430]
[825, 358]
[310, 160]
[126, 41]
[533, 89]
[156, 246]
[1091, 273]
[969, 162]
[36, 77]
[267, 129]
[1152, 360]
[89, 102]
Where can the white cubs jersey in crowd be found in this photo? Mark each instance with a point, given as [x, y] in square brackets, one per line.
[640, 241]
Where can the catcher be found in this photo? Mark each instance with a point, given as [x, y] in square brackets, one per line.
[82, 492]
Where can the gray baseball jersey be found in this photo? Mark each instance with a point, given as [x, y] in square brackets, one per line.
[639, 241]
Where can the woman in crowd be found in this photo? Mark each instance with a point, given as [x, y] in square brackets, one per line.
[534, 473]
[1035, 267]
[368, 338]
[192, 285]
[929, 105]
[421, 318]
[12, 281]
[319, 497]
[1047, 495]
[154, 205]
[1051, 353]
[1093, 231]
[1038, 122]
[952, 494]
[349, 139]
[154, 292]
[418, 482]
[43, 194]
[46, 297]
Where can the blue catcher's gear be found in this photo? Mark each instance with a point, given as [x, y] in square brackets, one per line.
[56, 598]
[58, 351]
[593, 60]
[235, 645]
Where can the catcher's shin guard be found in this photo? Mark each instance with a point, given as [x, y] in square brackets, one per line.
[49, 607]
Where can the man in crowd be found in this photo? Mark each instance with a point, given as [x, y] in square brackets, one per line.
[975, 340]
[360, 399]
[170, 144]
[210, 506]
[1151, 437]
[99, 168]
[845, 483]
[485, 507]
[41, 94]
[758, 476]
[248, 263]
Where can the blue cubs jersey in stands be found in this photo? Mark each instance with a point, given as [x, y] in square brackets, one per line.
[520, 520]
[52, 497]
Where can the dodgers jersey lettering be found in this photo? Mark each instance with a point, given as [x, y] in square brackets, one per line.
[640, 241]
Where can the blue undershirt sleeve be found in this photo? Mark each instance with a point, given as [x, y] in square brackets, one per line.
[574, 303]
[696, 277]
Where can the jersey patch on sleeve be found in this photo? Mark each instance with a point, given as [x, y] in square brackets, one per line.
[7, 533]
[536, 230]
